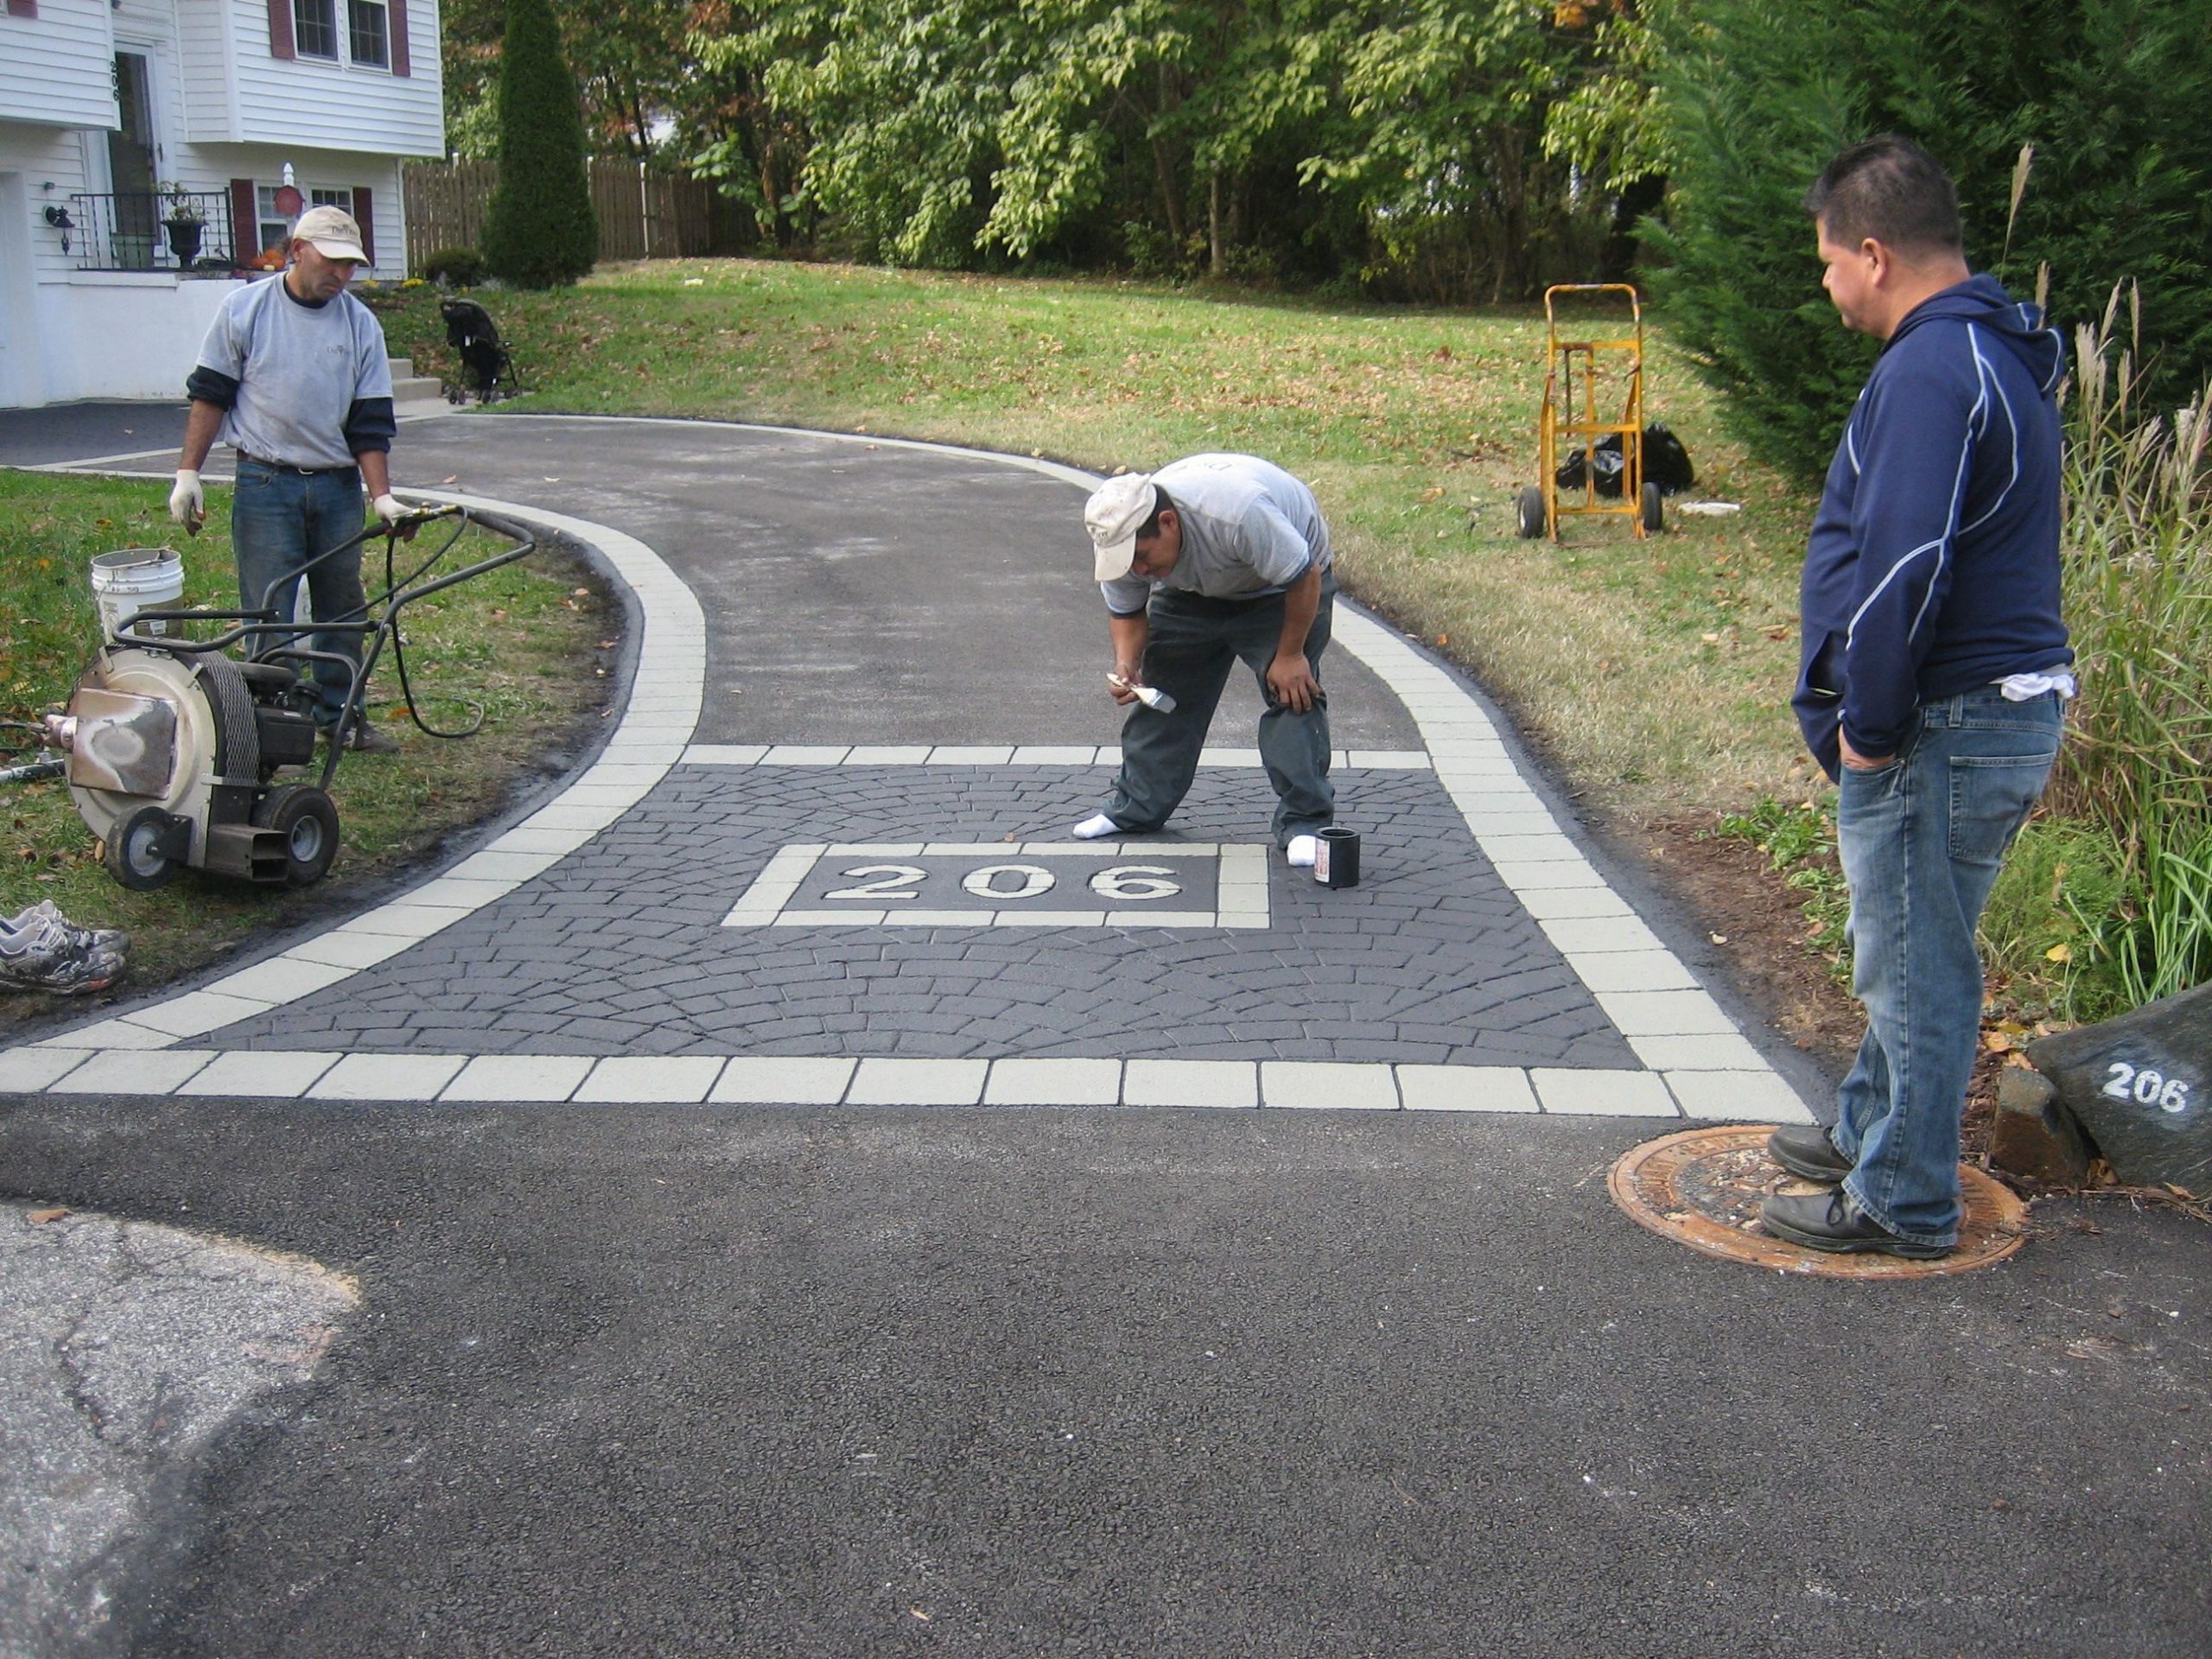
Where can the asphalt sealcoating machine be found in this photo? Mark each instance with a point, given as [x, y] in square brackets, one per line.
[198, 753]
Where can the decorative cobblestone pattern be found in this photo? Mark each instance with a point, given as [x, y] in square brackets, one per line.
[620, 949]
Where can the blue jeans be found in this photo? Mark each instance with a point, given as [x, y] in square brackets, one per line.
[1921, 841]
[281, 519]
[1191, 643]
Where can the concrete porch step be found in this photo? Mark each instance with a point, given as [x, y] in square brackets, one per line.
[413, 393]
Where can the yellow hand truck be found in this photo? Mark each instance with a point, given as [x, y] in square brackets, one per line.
[1574, 372]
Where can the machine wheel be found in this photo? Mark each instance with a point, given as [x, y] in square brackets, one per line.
[134, 855]
[304, 815]
[1532, 511]
[1654, 510]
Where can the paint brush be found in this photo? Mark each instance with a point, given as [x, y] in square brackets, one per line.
[1151, 695]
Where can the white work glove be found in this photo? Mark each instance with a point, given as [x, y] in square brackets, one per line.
[388, 508]
[187, 501]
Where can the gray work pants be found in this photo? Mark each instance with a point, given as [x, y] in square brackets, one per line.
[1191, 643]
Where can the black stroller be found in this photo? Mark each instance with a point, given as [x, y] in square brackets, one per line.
[484, 358]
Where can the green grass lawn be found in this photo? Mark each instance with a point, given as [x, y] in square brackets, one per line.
[523, 642]
[1654, 673]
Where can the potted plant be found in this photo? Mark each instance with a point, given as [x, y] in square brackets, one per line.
[185, 223]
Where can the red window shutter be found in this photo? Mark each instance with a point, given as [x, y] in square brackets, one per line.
[23, 8]
[364, 215]
[246, 223]
[397, 21]
[280, 30]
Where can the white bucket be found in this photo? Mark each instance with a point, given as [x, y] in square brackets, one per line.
[136, 579]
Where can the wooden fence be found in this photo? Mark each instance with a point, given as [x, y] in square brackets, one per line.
[642, 214]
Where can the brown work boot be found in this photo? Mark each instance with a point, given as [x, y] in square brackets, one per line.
[361, 738]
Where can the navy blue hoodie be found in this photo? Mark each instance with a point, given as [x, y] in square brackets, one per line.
[1933, 567]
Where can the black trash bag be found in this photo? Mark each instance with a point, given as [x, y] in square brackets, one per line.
[1665, 463]
[470, 331]
[1606, 463]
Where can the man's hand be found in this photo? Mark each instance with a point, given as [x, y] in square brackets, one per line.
[1122, 683]
[1855, 761]
[388, 508]
[1291, 683]
[187, 501]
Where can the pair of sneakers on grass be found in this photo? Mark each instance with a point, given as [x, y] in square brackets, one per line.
[41, 949]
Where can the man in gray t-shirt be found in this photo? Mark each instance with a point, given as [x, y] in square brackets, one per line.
[293, 376]
[1212, 560]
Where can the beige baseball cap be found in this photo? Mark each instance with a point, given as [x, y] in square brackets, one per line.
[1118, 510]
[335, 233]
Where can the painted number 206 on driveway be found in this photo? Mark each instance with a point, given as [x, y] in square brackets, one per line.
[1004, 884]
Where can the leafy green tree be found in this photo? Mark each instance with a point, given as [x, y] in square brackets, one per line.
[633, 74]
[540, 231]
[1446, 102]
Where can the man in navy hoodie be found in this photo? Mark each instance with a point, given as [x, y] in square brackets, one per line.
[1934, 671]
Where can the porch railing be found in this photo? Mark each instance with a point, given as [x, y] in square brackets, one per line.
[185, 233]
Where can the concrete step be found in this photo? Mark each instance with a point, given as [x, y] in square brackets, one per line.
[407, 384]
[414, 394]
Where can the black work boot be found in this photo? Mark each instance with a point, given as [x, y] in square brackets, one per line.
[1807, 1152]
[1828, 1221]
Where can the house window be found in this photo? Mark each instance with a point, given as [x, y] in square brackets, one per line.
[315, 28]
[271, 228]
[370, 28]
[273, 231]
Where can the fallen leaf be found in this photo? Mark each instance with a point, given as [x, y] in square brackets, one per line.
[1719, 939]
[1996, 1042]
[455, 478]
[39, 1217]
[1711, 638]
[2059, 953]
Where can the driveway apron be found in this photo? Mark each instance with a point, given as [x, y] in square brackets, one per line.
[825, 856]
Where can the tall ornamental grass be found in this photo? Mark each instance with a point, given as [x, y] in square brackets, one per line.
[2124, 853]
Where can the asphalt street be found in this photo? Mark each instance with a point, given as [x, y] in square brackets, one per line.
[691, 1376]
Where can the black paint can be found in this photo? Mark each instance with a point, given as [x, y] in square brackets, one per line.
[1336, 857]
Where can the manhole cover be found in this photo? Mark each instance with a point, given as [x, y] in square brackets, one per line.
[1703, 1188]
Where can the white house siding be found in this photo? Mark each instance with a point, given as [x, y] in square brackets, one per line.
[207, 41]
[51, 164]
[55, 67]
[307, 103]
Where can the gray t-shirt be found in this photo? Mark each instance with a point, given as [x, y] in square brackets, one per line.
[299, 369]
[1249, 529]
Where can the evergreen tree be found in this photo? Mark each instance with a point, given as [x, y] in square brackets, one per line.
[540, 231]
[1759, 97]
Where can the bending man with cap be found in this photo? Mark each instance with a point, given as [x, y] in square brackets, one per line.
[293, 376]
[1210, 560]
